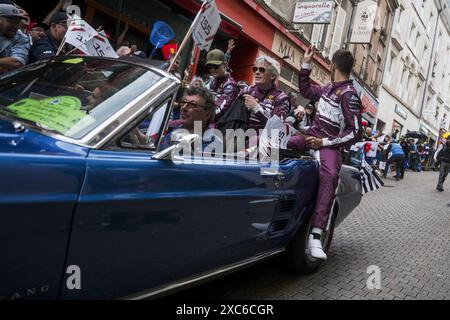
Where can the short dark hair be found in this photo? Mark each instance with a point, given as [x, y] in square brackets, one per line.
[205, 94]
[344, 61]
[59, 18]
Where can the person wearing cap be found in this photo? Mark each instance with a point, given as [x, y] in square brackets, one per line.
[25, 22]
[222, 85]
[264, 99]
[297, 117]
[310, 112]
[14, 44]
[48, 45]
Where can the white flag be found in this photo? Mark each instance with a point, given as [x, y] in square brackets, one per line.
[206, 26]
[370, 181]
[267, 141]
[99, 46]
[79, 32]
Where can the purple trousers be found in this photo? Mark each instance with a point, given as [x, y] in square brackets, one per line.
[330, 165]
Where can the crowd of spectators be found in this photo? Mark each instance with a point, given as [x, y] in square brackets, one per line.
[397, 153]
[24, 40]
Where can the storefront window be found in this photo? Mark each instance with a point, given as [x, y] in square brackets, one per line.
[286, 73]
[286, 88]
[397, 126]
[289, 78]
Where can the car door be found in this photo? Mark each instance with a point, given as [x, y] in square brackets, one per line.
[40, 180]
[143, 223]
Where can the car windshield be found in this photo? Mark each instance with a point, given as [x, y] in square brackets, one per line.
[72, 96]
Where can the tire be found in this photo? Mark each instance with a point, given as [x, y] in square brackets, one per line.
[296, 259]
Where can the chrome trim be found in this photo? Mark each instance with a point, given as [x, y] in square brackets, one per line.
[43, 131]
[350, 167]
[189, 281]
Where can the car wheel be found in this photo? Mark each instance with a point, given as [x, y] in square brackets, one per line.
[297, 258]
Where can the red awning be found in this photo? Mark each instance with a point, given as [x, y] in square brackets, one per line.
[369, 106]
[227, 25]
[191, 6]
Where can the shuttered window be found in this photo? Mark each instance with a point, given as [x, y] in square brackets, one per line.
[338, 31]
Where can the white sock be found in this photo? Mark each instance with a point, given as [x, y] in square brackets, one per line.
[316, 233]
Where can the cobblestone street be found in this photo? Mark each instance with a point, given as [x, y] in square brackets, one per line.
[404, 229]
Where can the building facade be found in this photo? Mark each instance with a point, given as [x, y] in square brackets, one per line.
[414, 91]
[328, 38]
[371, 57]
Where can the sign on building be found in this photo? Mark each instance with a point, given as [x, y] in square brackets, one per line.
[314, 12]
[286, 50]
[401, 112]
[292, 54]
[364, 22]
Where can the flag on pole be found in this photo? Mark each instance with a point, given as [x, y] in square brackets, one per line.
[207, 25]
[370, 180]
[79, 32]
[100, 46]
[267, 141]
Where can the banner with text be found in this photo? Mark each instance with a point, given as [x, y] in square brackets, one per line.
[364, 22]
[314, 12]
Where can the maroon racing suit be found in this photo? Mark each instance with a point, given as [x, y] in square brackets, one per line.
[338, 123]
[225, 92]
[270, 103]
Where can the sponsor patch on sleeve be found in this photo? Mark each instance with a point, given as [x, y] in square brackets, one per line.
[229, 88]
[354, 103]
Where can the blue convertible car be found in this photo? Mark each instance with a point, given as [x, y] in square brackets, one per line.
[86, 212]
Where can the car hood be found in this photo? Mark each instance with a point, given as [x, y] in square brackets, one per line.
[17, 139]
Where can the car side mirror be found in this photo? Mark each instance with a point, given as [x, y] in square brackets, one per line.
[185, 141]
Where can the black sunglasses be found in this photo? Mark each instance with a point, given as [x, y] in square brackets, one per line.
[191, 105]
[213, 66]
[261, 70]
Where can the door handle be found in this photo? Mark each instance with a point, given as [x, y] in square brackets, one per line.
[272, 172]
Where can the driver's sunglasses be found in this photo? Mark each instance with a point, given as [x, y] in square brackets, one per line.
[260, 69]
[213, 66]
[190, 105]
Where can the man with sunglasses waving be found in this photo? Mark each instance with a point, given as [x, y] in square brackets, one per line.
[264, 99]
[223, 86]
[337, 124]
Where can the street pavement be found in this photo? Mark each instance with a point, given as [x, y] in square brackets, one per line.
[402, 229]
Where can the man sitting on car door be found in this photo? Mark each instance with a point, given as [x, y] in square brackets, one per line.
[336, 124]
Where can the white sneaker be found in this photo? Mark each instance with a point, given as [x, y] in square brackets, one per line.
[315, 248]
